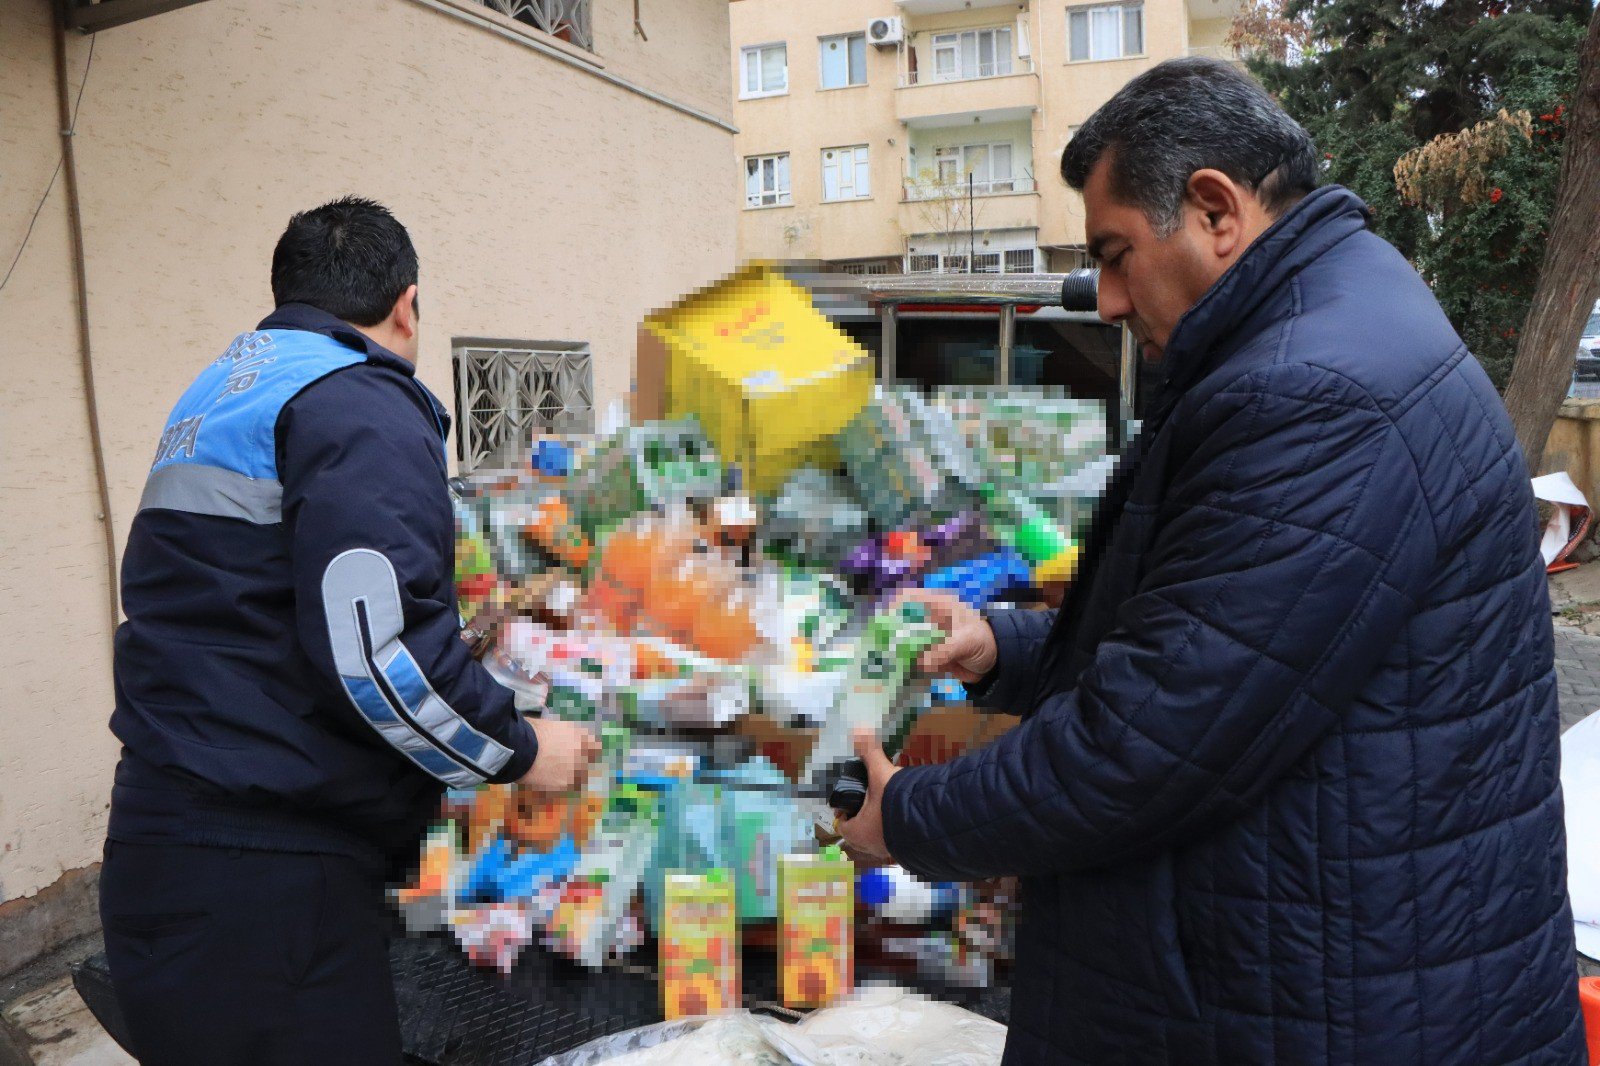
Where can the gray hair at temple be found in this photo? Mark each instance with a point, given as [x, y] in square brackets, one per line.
[1186, 115]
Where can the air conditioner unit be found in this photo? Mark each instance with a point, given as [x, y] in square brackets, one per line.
[886, 31]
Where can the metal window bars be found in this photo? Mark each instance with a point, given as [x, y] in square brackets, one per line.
[568, 20]
[506, 394]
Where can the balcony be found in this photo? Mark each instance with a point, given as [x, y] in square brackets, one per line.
[944, 7]
[977, 72]
[922, 102]
[919, 191]
[924, 211]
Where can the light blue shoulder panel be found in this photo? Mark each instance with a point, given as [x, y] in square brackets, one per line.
[218, 452]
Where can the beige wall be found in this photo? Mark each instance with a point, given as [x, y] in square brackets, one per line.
[809, 119]
[545, 203]
[1060, 93]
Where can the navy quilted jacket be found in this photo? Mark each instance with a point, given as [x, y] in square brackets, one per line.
[1286, 788]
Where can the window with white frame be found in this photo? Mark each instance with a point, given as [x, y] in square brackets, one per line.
[844, 174]
[844, 60]
[1109, 32]
[766, 180]
[764, 70]
[989, 166]
[993, 252]
[972, 54]
[868, 266]
[1019, 261]
[506, 391]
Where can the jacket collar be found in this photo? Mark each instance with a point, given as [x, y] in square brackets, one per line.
[1298, 237]
[308, 319]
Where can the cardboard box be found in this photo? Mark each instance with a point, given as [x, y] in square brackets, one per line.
[699, 944]
[816, 936]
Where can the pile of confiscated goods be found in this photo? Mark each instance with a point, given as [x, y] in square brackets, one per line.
[716, 591]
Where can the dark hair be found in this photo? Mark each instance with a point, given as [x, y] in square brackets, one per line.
[1186, 115]
[350, 258]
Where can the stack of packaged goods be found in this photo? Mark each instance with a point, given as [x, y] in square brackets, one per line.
[1044, 445]
[717, 594]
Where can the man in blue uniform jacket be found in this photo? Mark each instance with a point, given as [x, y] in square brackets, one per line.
[1285, 788]
[292, 693]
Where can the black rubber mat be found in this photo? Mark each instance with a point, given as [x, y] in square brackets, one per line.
[455, 1014]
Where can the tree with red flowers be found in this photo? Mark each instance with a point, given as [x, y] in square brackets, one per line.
[1449, 120]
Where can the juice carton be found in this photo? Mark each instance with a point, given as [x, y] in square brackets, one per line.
[699, 945]
[816, 960]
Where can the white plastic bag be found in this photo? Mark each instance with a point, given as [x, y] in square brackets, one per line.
[882, 1025]
[1580, 787]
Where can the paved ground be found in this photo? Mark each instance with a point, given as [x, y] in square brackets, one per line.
[50, 1026]
[1578, 667]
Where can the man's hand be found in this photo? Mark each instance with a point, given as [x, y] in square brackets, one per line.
[565, 751]
[863, 834]
[968, 650]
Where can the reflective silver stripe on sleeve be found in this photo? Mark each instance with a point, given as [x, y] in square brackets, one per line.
[418, 721]
[213, 490]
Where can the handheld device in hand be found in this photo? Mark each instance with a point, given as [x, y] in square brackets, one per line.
[849, 790]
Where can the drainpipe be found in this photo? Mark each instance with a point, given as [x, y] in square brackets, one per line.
[69, 168]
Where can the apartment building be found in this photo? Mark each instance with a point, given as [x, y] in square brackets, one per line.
[550, 158]
[926, 135]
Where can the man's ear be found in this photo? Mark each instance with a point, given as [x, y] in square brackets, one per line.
[404, 312]
[1221, 205]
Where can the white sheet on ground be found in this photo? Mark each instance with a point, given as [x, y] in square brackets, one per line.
[1580, 786]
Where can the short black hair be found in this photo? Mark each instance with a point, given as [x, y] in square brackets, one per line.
[1185, 115]
[350, 258]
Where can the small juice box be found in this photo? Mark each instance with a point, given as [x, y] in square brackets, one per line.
[699, 944]
[816, 959]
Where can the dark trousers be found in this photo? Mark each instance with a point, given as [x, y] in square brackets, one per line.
[228, 956]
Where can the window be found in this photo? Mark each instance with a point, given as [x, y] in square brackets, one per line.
[844, 60]
[766, 180]
[1019, 261]
[988, 164]
[868, 266]
[766, 70]
[972, 54]
[568, 20]
[996, 252]
[1105, 32]
[507, 391]
[844, 173]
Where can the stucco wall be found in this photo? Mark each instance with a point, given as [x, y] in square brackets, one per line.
[545, 204]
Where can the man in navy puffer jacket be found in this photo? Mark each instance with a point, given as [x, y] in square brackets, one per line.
[1285, 789]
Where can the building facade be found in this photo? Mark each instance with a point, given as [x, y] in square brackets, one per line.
[926, 135]
[551, 158]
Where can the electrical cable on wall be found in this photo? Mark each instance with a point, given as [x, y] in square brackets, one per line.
[54, 174]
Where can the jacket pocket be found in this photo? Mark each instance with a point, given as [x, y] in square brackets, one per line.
[1166, 943]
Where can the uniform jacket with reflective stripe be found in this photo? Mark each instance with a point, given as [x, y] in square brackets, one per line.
[1286, 789]
[290, 673]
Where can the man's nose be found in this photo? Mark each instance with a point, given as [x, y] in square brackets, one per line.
[1112, 298]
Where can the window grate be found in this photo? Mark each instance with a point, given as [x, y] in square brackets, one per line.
[507, 393]
[1019, 261]
[567, 20]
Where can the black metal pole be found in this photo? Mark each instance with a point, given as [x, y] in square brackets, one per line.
[972, 227]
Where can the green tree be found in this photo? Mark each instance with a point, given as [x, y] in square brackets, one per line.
[1377, 82]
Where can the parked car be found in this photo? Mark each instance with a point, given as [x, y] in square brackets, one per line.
[1586, 369]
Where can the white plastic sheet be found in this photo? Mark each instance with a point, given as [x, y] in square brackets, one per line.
[1569, 520]
[1580, 786]
[882, 1025]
